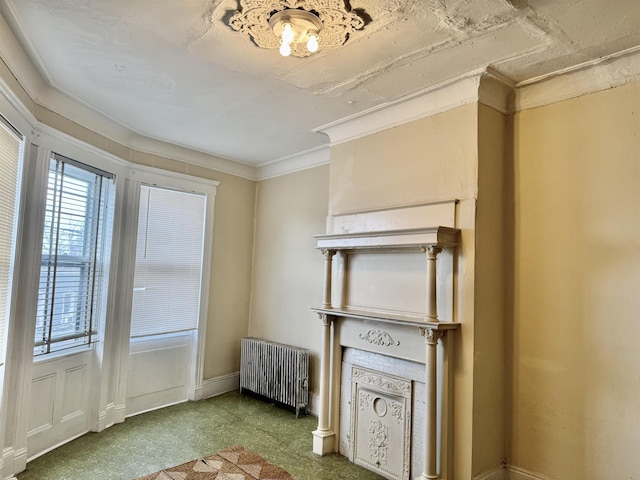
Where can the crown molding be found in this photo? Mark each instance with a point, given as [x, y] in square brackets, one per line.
[493, 89]
[85, 116]
[421, 104]
[294, 163]
[152, 146]
[497, 91]
[18, 62]
[601, 74]
[24, 119]
[480, 86]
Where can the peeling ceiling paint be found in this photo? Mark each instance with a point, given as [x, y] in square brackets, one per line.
[176, 71]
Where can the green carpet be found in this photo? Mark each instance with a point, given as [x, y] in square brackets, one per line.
[174, 435]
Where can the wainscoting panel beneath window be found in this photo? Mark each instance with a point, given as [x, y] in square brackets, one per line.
[159, 369]
[59, 406]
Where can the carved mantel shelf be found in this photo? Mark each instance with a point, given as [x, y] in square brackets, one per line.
[414, 321]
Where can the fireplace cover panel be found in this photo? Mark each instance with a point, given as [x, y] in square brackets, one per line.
[381, 422]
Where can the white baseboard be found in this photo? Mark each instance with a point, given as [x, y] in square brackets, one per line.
[498, 473]
[219, 385]
[105, 418]
[314, 404]
[196, 394]
[13, 461]
[517, 473]
[509, 472]
[119, 413]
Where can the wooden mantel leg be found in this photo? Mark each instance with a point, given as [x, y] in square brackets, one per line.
[430, 472]
[324, 437]
[328, 263]
[432, 307]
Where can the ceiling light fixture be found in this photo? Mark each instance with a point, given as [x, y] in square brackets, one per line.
[296, 27]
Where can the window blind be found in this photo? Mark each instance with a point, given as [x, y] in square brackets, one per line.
[10, 155]
[169, 250]
[75, 248]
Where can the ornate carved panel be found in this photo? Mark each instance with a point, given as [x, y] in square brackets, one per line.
[381, 423]
[379, 337]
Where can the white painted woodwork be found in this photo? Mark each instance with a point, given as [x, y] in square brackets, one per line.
[55, 398]
[159, 371]
[389, 240]
[392, 333]
[59, 404]
[219, 385]
[393, 219]
[380, 426]
[410, 370]
[323, 436]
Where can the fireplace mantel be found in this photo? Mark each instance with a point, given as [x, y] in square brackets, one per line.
[384, 317]
[431, 241]
[406, 239]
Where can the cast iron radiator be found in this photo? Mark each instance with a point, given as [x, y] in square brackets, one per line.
[276, 371]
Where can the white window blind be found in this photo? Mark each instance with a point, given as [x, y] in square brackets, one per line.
[169, 252]
[10, 155]
[75, 250]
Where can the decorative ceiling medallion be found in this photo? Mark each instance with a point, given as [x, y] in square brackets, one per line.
[265, 20]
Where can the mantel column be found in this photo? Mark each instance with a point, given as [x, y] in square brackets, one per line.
[432, 307]
[431, 336]
[323, 437]
[328, 263]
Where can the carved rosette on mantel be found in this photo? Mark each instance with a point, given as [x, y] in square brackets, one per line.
[378, 334]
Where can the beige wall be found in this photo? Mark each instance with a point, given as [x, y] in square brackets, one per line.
[489, 322]
[576, 366]
[560, 233]
[10, 81]
[431, 159]
[288, 271]
[229, 294]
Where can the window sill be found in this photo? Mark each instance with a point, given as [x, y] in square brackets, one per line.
[50, 357]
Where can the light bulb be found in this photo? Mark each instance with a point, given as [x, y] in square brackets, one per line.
[285, 49]
[312, 43]
[287, 33]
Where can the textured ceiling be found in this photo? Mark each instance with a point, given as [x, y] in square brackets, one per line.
[175, 71]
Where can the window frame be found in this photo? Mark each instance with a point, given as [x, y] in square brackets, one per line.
[90, 296]
[143, 175]
[13, 247]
